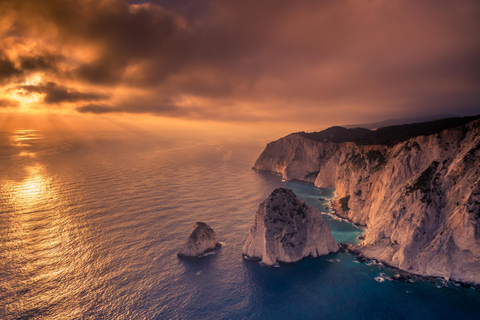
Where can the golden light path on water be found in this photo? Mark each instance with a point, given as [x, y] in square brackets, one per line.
[43, 248]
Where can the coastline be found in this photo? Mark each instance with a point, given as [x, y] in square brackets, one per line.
[357, 249]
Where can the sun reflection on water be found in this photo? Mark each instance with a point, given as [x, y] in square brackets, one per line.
[30, 191]
[42, 246]
[24, 137]
[27, 154]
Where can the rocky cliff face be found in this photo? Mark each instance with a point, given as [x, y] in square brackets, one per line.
[287, 230]
[419, 198]
[202, 239]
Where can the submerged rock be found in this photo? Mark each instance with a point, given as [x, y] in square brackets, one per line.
[287, 230]
[203, 239]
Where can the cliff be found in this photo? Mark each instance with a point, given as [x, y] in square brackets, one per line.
[417, 194]
[287, 230]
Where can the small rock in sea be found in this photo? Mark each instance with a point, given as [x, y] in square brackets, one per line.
[379, 279]
[202, 240]
[362, 259]
[401, 278]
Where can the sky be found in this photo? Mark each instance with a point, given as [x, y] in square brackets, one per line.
[271, 65]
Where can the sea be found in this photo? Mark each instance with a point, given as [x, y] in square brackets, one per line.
[90, 227]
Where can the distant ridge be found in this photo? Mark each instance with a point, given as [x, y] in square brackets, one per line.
[386, 135]
[400, 121]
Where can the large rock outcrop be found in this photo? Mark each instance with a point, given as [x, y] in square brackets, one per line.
[419, 197]
[287, 230]
[202, 239]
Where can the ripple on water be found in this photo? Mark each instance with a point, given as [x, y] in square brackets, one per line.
[91, 228]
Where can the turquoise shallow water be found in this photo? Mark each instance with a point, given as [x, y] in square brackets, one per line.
[90, 229]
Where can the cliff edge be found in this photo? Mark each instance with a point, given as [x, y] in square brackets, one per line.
[416, 189]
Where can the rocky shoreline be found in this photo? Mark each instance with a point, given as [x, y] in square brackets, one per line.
[419, 198]
[401, 275]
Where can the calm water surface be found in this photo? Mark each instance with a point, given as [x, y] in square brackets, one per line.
[90, 227]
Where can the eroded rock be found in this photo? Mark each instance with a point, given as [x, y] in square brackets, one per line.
[203, 239]
[287, 230]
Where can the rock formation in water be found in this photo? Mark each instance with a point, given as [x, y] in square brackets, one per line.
[203, 239]
[416, 188]
[287, 230]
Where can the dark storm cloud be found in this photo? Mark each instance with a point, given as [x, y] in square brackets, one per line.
[121, 34]
[8, 69]
[39, 62]
[241, 59]
[56, 94]
[11, 70]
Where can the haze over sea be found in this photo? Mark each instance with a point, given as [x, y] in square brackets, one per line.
[90, 227]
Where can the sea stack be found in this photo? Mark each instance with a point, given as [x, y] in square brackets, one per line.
[287, 230]
[203, 239]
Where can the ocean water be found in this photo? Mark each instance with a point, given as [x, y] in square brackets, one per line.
[90, 228]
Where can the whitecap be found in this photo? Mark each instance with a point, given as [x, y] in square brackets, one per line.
[373, 263]
[333, 260]
[208, 254]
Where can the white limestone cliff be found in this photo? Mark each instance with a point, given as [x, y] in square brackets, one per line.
[287, 230]
[419, 199]
[202, 239]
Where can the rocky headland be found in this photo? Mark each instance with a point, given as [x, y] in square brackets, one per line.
[202, 239]
[416, 189]
[287, 230]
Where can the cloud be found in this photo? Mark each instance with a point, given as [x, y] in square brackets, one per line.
[157, 109]
[15, 70]
[248, 60]
[37, 62]
[96, 109]
[55, 94]
[4, 103]
[8, 69]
